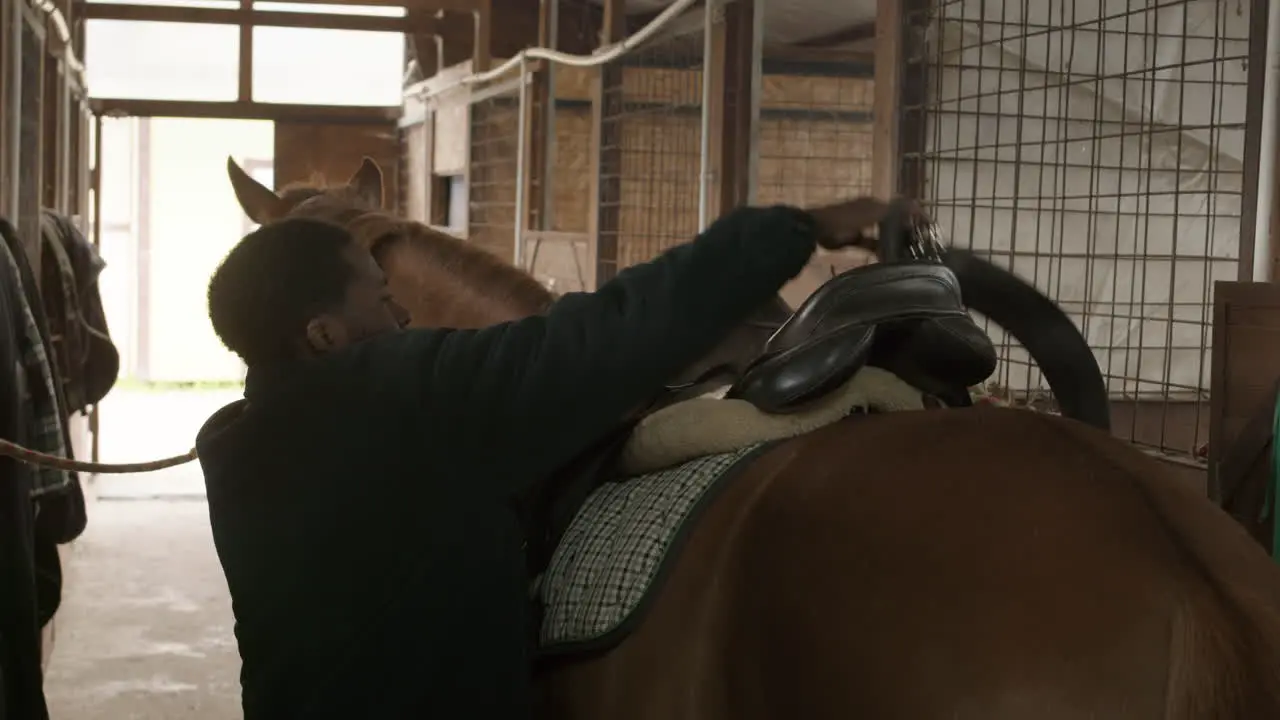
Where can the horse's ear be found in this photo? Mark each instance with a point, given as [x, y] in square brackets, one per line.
[258, 201]
[367, 182]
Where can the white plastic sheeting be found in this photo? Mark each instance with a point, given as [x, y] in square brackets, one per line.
[1103, 161]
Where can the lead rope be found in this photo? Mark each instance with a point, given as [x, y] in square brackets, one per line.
[39, 459]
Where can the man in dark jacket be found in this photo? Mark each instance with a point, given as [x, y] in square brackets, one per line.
[362, 495]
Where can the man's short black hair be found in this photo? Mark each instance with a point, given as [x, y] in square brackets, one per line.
[275, 281]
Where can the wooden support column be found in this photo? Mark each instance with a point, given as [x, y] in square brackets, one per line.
[729, 72]
[537, 122]
[606, 153]
[482, 46]
[897, 153]
[244, 91]
[53, 108]
[884, 139]
[913, 83]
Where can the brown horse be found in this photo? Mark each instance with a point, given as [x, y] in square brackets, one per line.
[978, 563]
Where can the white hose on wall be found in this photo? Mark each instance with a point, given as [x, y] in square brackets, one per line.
[64, 33]
[604, 55]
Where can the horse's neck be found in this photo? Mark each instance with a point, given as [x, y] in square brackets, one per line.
[437, 296]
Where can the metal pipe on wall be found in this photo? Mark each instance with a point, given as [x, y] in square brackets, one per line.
[710, 11]
[1263, 242]
[521, 163]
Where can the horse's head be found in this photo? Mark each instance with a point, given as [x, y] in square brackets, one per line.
[363, 192]
[441, 280]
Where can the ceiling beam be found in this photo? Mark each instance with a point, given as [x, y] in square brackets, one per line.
[857, 32]
[363, 3]
[260, 18]
[415, 5]
[235, 110]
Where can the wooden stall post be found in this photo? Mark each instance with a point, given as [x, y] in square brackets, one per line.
[888, 53]
[537, 122]
[729, 74]
[482, 45]
[606, 155]
[900, 81]
[1243, 383]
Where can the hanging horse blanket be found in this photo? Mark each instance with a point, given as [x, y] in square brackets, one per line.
[21, 694]
[87, 360]
[47, 433]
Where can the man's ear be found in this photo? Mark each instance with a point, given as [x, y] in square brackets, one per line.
[321, 335]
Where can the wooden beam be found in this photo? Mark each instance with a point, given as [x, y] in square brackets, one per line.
[457, 32]
[605, 153]
[835, 56]
[365, 3]
[257, 18]
[910, 111]
[483, 43]
[538, 123]
[884, 132]
[127, 107]
[244, 85]
[730, 108]
[857, 32]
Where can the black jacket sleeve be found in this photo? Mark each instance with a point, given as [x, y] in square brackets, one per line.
[546, 387]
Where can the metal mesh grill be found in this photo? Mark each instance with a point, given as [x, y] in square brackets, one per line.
[1098, 152]
[815, 132]
[495, 132]
[651, 144]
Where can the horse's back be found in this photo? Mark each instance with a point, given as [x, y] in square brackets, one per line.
[981, 563]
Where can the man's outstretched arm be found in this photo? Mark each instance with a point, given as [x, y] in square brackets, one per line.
[546, 387]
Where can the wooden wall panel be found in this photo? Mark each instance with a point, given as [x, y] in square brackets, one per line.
[1246, 343]
[311, 151]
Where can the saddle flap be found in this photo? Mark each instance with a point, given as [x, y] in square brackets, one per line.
[781, 381]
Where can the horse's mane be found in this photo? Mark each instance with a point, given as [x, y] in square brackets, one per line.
[472, 273]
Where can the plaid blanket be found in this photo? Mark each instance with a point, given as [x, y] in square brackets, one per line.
[613, 554]
[45, 433]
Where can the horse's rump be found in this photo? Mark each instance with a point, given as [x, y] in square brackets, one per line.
[1225, 650]
[980, 563]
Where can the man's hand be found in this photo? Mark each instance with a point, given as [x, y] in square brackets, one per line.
[845, 224]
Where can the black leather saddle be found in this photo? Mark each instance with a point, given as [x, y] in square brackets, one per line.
[907, 317]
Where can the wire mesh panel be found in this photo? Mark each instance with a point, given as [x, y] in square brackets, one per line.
[815, 131]
[1096, 149]
[652, 131]
[494, 173]
[557, 251]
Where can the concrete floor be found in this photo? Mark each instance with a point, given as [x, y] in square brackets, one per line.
[145, 629]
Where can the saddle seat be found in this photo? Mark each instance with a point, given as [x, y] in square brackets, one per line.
[905, 317]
